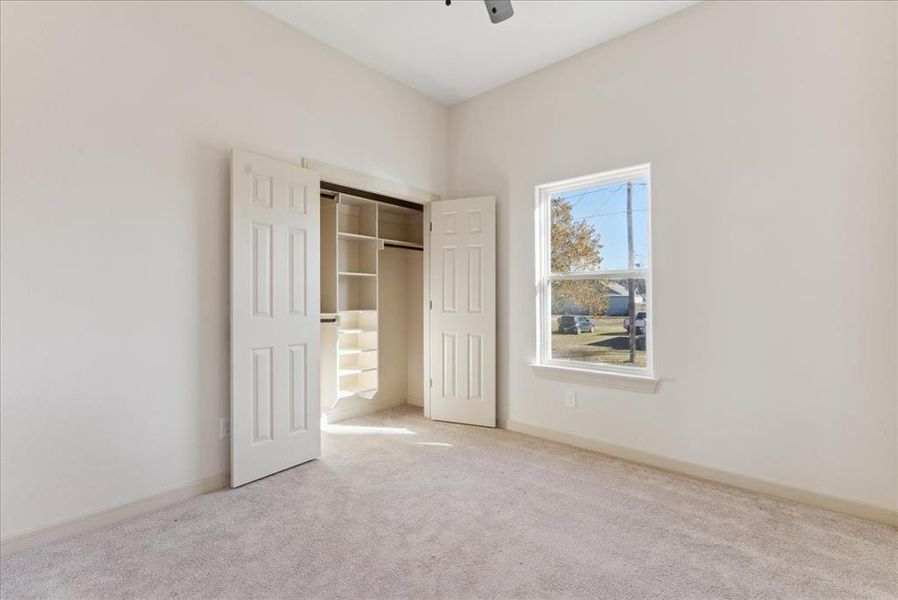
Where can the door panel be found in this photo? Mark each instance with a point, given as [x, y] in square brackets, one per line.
[275, 393]
[463, 314]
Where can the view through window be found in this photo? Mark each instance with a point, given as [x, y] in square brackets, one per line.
[595, 272]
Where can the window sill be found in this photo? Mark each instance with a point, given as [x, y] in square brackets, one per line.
[620, 381]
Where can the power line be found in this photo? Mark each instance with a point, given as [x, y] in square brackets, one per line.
[592, 191]
[617, 212]
[579, 197]
[608, 199]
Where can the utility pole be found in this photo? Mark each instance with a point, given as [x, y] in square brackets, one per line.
[631, 264]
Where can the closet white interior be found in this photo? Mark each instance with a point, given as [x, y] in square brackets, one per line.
[372, 296]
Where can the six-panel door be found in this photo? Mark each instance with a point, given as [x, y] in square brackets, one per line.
[275, 333]
[463, 315]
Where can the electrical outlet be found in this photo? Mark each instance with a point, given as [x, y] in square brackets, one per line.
[570, 399]
[224, 428]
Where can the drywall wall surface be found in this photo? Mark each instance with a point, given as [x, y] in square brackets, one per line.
[117, 120]
[770, 129]
[414, 278]
[392, 334]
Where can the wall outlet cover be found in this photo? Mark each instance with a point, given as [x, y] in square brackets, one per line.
[570, 399]
[224, 428]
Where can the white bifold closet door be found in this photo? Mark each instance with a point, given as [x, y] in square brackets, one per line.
[463, 311]
[275, 332]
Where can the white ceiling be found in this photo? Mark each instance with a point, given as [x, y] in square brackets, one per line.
[452, 53]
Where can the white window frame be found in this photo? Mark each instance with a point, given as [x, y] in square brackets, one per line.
[576, 370]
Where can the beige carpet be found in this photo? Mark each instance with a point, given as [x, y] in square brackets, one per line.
[402, 507]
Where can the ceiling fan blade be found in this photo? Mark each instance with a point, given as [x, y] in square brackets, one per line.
[499, 10]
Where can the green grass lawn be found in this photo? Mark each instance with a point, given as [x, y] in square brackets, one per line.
[608, 344]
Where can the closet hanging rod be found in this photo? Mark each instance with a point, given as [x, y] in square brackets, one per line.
[328, 319]
[345, 189]
[329, 197]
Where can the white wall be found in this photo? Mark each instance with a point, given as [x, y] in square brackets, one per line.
[400, 329]
[414, 282]
[771, 132]
[392, 328]
[117, 119]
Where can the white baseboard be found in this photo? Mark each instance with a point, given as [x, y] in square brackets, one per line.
[69, 527]
[870, 512]
[360, 410]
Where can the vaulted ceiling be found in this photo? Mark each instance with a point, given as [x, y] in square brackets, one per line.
[452, 53]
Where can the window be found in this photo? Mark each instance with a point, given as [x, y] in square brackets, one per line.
[594, 269]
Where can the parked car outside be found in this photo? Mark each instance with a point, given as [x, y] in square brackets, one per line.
[640, 323]
[573, 324]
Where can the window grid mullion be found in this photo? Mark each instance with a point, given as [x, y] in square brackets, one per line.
[611, 275]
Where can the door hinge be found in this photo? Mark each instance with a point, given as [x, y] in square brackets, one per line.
[431, 382]
[431, 305]
[431, 226]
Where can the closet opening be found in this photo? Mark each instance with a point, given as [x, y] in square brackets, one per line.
[372, 302]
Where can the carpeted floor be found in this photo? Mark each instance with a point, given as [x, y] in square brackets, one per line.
[402, 507]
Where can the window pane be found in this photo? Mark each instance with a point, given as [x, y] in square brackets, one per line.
[591, 322]
[589, 228]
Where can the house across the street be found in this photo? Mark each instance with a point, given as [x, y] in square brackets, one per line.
[618, 302]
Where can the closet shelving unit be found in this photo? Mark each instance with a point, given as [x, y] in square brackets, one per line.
[353, 231]
[400, 227]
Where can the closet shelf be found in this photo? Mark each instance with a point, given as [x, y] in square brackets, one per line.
[355, 236]
[356, 274]
[355, 330]
[348, 393]
[346, 372]
[350, 351]
[403, 243]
